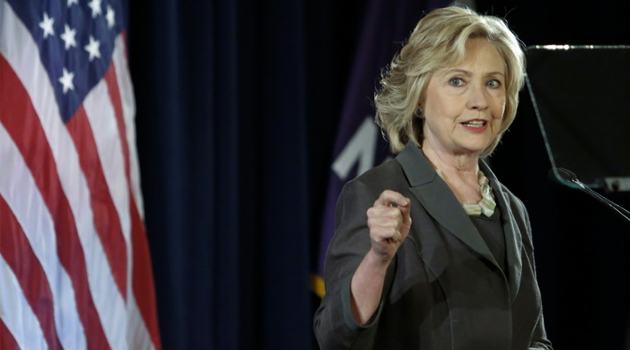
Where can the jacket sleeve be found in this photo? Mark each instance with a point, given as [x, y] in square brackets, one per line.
[334, 325]
[539, 338]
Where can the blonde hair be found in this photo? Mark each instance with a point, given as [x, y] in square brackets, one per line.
[439, 41]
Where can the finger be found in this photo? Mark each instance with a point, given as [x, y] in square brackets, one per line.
[384, 223]
[380, 234]
[384, 212]
[388, 197]
[405, 210]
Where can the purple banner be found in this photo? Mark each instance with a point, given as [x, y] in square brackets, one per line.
[359, 144]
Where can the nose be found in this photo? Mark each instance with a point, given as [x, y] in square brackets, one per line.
[477, 99]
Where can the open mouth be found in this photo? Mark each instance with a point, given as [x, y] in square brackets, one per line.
[475, 123]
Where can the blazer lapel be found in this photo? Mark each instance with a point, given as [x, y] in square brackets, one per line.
[439, 201]
[513, 239]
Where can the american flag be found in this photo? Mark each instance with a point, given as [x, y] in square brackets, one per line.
[75, 268]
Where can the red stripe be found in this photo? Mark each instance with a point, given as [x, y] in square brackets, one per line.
[114, 95]
[106, 219]
[7, 342]
[22, 123]
[142, 282]
[123, 34]
[17, 252]
[143, 275]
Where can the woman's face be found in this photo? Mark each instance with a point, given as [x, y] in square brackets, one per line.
[464, 104]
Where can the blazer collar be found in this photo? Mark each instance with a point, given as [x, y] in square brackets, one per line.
[440, 202]
[513, 238]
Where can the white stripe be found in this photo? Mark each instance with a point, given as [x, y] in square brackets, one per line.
[1, 20]
[138, 336]
[19, 190]
[21, 52]
[102, 118]
[129, 114]
[16, 313]
[100, 113]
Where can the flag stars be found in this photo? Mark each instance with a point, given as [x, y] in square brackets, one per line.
[95, 5]
[93, 48]
[110, 16]
[68, 37]
[66, 81]
[71, 2]
[47, 25]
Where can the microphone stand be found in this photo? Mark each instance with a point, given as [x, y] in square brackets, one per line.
[569, 176]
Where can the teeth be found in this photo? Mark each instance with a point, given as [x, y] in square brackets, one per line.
[475, 123]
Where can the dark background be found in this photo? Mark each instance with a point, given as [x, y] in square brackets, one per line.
[238, 104]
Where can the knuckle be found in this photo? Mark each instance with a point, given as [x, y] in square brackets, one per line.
[392, 223]
[394, 213]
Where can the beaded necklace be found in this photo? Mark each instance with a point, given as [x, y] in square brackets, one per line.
[487, 203]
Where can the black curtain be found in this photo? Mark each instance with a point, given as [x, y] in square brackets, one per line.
[234, 102]
[237, 109]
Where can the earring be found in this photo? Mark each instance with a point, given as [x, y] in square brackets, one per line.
[419, 112]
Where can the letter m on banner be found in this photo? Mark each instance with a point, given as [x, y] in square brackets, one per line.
[359, 144]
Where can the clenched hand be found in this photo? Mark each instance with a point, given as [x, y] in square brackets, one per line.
[389, 223]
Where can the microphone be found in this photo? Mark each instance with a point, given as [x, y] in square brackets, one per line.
[568, 176]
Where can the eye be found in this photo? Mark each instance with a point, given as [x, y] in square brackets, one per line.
[456, 81]
[494, 84]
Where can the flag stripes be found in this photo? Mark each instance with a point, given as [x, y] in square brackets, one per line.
[30, 212]
[142, 286]
[31, 277]
[27, 334]
[48, 171]
[74, 260]
[7, 342]
[118, 76]
[105, 215]
[125, 92]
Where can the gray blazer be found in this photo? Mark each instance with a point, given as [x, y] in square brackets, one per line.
[444, 289]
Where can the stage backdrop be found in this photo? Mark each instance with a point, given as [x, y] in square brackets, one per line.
[223, 118]
[239, 105]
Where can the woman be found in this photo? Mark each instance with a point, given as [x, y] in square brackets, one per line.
[444, 258]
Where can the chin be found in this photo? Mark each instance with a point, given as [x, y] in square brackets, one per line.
[474, 149]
